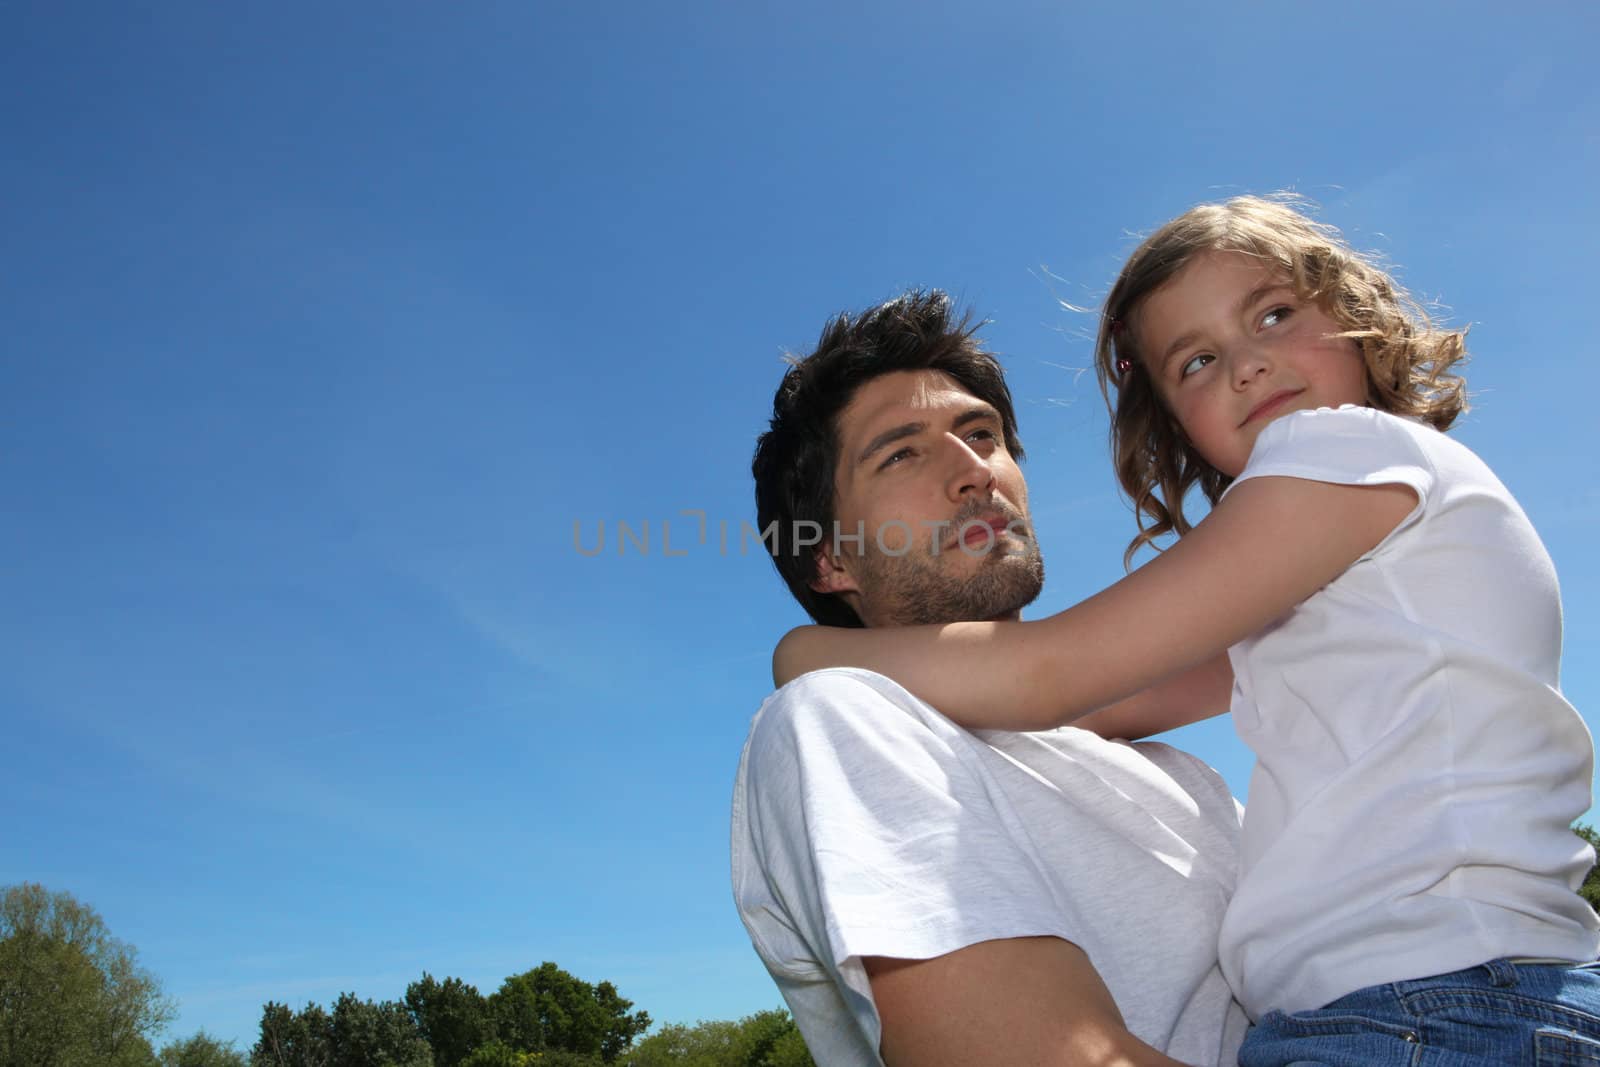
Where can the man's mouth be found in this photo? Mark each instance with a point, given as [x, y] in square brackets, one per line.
[985, 533]
[981, 531]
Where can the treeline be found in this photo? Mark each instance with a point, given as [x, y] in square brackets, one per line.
[1590, 891]
[541, 1018]
[71, 995]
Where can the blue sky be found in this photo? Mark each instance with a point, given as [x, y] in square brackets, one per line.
[325, 324]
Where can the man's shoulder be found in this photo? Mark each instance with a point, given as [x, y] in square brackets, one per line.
[832, 686]
[830, 704]
[845, 715]
[820, 704]
[1195, 777]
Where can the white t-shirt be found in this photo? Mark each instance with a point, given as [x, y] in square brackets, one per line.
[867, 824]
[1417, 767]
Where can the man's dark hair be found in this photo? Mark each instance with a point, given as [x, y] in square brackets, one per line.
[797, 458]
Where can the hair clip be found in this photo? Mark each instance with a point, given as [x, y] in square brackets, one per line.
[1122, 363]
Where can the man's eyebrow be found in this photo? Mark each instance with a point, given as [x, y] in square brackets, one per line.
[1187, 339]
[911, 429]
[889, 437]
[974, 414]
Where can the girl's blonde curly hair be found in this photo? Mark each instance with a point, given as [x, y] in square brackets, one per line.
[1408, 359]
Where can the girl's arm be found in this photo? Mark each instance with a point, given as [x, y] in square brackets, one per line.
[1271, 543]
[1198, 693]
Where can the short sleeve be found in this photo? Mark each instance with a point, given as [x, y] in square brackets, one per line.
[875, 828]
[867, 824]
[1348, 445]
[862, 827]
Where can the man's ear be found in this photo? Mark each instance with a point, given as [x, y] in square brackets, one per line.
[832, 575]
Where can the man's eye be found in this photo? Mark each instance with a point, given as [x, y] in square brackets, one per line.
[1195, 363]
[894, 457]
[983, 435]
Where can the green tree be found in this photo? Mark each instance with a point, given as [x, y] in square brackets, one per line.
[357, 1033]
[71, 995]
[548, 1009]
[765, 1039]
[705, 1044]
[496, 1054]
[293, 1038]
[202, 1050]
[789, 1051]
[499, 1054]
[452, 1016]
[761, 1033]
[368, 1034]
[1590, 890]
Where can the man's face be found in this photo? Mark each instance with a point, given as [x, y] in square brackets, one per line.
[925, 477]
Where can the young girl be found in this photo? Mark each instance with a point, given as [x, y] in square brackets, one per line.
[1377, 613]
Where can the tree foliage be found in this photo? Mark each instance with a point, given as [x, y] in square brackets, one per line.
[544, 1018]
[1590, 890]
[293, 1038]
[367, 1033]
[765, 1039]
[202, 1050]
[790, 1051]
[452, 1016]
[548, 1009]
[71, 995]
[357, 1033]
[499, 1054]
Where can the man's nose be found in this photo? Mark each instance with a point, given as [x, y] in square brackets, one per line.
[969, 472]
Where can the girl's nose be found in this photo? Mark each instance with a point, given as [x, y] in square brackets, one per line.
[1249, 365]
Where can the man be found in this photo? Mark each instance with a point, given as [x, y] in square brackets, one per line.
[917, 891]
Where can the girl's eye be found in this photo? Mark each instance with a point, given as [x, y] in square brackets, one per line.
[1195, 363]
[1276, 315]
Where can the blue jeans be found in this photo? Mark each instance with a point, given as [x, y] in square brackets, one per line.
[1500, 1013]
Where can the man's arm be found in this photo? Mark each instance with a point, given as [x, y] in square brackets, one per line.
[1027, 1000]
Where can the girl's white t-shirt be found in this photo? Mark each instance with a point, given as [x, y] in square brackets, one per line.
[1418, 769]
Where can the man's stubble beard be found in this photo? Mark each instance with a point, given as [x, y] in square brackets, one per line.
[916, 588]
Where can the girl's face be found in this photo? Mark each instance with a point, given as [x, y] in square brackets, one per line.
[1230, 347]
